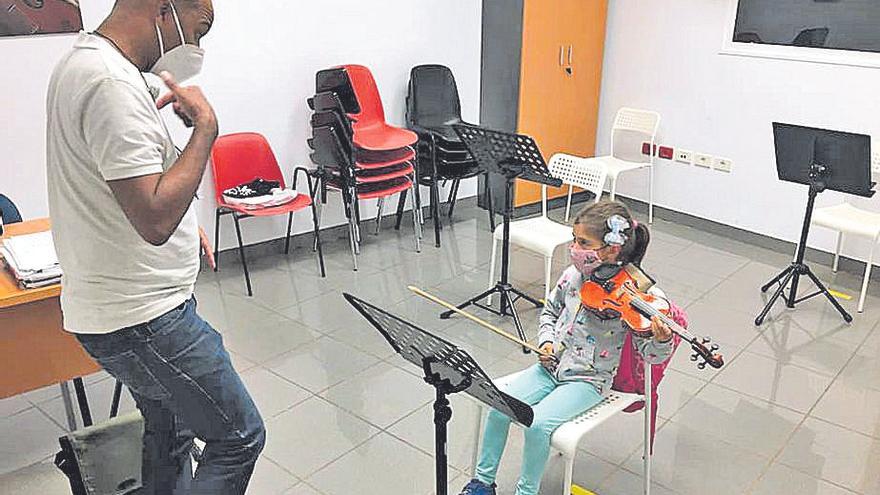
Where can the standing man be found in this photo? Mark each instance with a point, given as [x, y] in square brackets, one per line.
[121, 199]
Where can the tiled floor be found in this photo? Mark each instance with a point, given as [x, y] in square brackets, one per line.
[796, 410]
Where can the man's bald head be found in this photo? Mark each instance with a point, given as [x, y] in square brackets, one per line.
[134, 23]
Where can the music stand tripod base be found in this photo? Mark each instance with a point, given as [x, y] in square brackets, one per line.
[791, 275]
[512, 156]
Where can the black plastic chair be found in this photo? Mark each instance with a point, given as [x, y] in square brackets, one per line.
[8, 212]
[433, 106]
[336, 80]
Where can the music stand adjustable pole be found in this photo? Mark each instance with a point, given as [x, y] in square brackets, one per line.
[442, 414]
[503, 287]
[798, 268]
[448, 369]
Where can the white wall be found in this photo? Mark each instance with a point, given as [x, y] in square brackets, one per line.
[664, 56]
[259, 70]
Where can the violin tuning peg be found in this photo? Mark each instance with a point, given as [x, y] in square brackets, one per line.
[694, 357]
[701, 366]
[715, 347]
[706, 340]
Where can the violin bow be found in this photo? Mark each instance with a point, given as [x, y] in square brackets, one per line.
[476, 320]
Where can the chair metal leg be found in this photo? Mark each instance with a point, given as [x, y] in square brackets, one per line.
[320, 250]
[568, 203]
[548, 272]
[492, 268]
[79, 388]
[289, 227]
[318, 213]
[867, 278]
[837, 251]
[217, 240]
[417, 191]
[435, 211]
[247, 275]
[381, 206]
[417, 226]
[401, 204]
[352, 235]
[453, 196]
[357, 223]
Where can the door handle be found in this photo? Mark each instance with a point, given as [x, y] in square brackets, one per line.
[570, 50]
[561, 55]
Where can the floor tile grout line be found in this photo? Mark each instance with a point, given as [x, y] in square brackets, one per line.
[329, 463]
[357, 415]
[775, 458]
[671, 419]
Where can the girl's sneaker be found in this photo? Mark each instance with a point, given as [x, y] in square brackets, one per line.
[477, 487]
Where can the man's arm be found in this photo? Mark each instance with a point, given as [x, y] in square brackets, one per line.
[155, 204]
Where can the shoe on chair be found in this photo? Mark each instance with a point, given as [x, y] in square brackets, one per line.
[477, 487]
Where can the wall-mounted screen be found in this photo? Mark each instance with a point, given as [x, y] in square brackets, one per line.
[831, 24]
[31, 17]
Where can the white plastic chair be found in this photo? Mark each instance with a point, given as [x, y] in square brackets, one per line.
[632, 128]
[541, 234]
[567, 437]
[848, 219]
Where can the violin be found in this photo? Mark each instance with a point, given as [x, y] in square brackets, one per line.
[615, 290]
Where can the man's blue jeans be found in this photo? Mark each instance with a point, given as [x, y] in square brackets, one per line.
[185, 386]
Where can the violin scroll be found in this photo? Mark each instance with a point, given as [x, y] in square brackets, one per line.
[707, 354]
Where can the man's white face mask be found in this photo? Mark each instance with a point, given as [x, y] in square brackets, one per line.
[183, 62]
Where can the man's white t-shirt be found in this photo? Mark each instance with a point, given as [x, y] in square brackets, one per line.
[103, 125]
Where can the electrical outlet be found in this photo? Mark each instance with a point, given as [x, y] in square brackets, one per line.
[722, 164]
[701, 160]
[684, 156]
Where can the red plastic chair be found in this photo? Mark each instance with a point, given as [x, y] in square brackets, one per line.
[239, 159]
[371, 132]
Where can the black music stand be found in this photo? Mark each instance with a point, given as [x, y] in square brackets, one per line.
[513, 156]
[448, 369]
[821, 159]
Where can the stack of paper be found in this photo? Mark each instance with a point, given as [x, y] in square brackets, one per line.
[32, 260]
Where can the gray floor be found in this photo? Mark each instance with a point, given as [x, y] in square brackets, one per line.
[796, 410]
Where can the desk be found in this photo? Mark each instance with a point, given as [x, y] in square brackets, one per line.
[34, 349]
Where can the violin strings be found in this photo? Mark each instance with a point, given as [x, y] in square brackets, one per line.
[644, 306]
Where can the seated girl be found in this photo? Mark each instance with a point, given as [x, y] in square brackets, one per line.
[584, 348]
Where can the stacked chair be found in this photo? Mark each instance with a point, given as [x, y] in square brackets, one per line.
[356, 152]
[432, 108]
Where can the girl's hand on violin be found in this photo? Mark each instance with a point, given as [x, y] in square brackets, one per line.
[547, 357]
[662, 332]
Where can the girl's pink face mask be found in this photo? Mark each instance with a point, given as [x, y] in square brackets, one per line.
[585, 260]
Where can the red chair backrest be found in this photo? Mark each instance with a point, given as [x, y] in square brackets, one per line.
[241, 158]
[367, 94]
